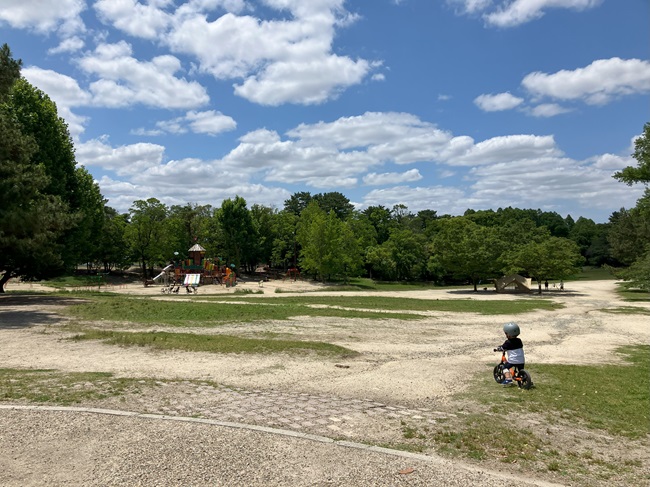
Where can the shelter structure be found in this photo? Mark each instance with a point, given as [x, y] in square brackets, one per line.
[515, 282]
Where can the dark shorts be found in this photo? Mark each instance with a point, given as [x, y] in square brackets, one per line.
[518, 367]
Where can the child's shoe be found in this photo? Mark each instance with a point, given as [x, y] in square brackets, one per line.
[507, 383]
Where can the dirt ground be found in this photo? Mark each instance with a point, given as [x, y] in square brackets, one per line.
[405, 363]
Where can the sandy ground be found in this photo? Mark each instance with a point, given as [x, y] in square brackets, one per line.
[416, 364]
[399, 361]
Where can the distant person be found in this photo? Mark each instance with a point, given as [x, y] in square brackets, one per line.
[546, 284]
[514, 348]
[561, 285]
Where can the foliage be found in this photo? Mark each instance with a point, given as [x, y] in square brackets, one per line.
[33, 219]
[641, 173]
[466, 250]
[146, 233]
[239, 233]
[552, 257]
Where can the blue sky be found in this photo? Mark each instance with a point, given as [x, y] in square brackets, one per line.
[434, 104]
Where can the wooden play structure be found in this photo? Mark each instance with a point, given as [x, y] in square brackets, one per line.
[197, 270]
[513, 283]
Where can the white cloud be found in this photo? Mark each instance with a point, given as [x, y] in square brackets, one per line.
[305, 82]
[136, 19]
[127, 160]
[64, 91]
[470, 6]
[374, 179]
[507, 148]
[548, 183]
[280, 61]
[126, 81]
[43, 16]
[71, 44]
[513, 13]
[209, 122]
[442, 199]
[596, 84]
[548, 110]
[498, 102]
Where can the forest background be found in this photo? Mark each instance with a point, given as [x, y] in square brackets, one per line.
[54, 218]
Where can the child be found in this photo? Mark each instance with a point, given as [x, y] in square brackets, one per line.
[514, 349]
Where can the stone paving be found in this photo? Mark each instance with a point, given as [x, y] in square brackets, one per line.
[310, 413]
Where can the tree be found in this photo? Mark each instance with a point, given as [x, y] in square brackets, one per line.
[146, 233]
[112, 248]
[263, 219]
[298, 202]
[238, 232]
[31, 220]
[336, 202]
[9, 71]
[381, 218]
[641, 173]
[466, 250]
[541, 259]
[285, 243]
[188, 224]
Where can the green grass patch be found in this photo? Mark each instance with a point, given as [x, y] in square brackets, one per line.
[627, 310]
[482, 437]
[215, 343]
[193, 313]
[487, 307]
[592, 274]
[633, 295]
[50, 386]
[613, 398]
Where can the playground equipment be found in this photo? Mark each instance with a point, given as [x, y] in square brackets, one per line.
[191, 282]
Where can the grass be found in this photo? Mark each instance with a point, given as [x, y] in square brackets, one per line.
[627, 310]
[613, 399]
[248, 308]
[214, 343]
[524, 305]
[633, 295]
[592, 274]
[50, 386]
[174, 313]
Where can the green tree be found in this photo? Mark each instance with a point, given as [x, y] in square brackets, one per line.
[31, 220]
[313, 235]
[298, 202]
[238, 232]
[188, 225]
[546, 258]
[408, 250]
[285, 242]
[381, 218]
[263, 219]
[146, 233]
[336, 202]
[641, 173]
[112, 250]
[466, 250]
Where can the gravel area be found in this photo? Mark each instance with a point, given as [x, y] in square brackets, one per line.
[401, 372]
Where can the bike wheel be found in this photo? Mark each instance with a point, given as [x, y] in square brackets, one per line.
[498, 374]
[526, 382]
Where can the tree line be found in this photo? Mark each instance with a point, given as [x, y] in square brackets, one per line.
[53, 218]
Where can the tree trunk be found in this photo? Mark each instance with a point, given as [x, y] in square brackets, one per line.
[3, 280]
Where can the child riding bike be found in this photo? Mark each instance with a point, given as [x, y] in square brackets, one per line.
[514, 349]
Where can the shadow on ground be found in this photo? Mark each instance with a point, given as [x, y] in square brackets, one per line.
[13, 317]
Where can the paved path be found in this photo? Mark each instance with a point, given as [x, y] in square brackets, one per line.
[310, 413]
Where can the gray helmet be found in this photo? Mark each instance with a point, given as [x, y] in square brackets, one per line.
[511, 329]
